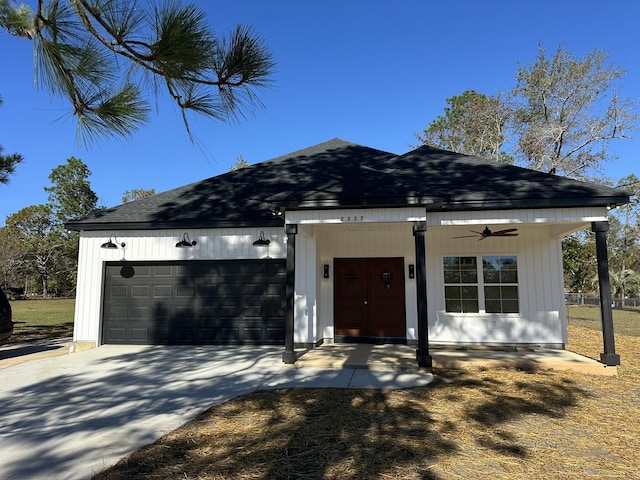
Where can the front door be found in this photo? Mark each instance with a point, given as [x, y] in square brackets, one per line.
[369, 298]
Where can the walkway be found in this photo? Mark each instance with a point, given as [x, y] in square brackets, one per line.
[403, 358]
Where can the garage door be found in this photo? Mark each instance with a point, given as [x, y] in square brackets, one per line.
[198, 302]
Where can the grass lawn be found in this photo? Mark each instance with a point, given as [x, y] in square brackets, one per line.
[626, 322]
[476, 423]
[42, 319]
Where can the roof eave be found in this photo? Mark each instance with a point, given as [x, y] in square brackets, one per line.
[188, 224]
[435, 203]
[610, 202]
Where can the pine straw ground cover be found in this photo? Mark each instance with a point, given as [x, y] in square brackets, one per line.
[481, 423]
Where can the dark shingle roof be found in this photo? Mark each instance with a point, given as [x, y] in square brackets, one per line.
[338, 174]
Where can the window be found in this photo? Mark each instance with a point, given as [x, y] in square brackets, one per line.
[461, 284]
[498, 284]
[500, 276]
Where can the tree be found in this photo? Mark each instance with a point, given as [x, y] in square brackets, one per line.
[630, 211]
[473, 124]
[567, 112]
[38, 244]
[623, 283]
[71, 195]
[240, 163]
[623, 256]
[15, 19]
[137, 194]
[578, 259]
[97, 53]
[7, 162]
[11, 263]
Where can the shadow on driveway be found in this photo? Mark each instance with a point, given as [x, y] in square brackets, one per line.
[74, 415]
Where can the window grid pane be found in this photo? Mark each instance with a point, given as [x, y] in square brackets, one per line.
[499, 283]
[497, 271]
[461, 289]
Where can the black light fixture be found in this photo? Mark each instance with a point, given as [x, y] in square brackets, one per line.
[110, 243]
[261, 241]
[186, 242]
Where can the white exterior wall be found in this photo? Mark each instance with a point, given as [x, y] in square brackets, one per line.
[327, 234]
[305, 313]
[157, 245]
[375, 240]
[388, 233]
[542, 318]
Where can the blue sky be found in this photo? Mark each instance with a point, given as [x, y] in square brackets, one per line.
[372, 72]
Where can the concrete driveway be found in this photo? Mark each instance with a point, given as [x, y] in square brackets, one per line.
[72, 416]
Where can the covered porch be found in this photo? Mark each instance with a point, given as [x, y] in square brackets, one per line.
[419, 239]
[402, 358]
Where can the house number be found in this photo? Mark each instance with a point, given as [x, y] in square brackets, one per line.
[354, 218]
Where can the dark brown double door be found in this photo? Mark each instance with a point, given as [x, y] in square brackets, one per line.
[369, 299]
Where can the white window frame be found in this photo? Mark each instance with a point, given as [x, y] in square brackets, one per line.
[480, 284]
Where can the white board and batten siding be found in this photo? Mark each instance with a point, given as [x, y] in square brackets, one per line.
[154, 246]
[541, 319]
[370, 232]
[343, 233]
[387, 233]
[357, 241]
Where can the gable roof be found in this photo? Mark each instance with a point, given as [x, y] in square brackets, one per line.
[340, 174]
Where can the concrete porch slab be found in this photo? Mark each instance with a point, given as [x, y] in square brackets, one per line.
[403, 358]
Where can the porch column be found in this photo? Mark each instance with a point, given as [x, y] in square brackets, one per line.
[289, 356]
[422, 353]
[609, 357]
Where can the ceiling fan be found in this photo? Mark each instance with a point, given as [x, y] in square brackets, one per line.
[509, 232]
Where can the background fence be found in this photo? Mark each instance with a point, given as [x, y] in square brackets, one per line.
[584, 299]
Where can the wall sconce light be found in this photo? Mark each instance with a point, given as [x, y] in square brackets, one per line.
[186, 242]
[110, 243]
[325, 269]
[412, 271]
[261, 241]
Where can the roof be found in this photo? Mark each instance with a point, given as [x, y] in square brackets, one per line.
[340, 174]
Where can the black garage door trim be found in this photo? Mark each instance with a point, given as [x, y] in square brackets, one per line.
[213, 302]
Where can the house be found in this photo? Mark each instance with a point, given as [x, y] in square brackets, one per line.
[341, 242]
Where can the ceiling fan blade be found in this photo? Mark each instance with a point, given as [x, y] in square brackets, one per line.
[508, 232]
[503, 232]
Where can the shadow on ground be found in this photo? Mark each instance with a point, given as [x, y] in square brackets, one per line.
[343, 433]
[8, 353]
[91, 408]
[34, 333]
